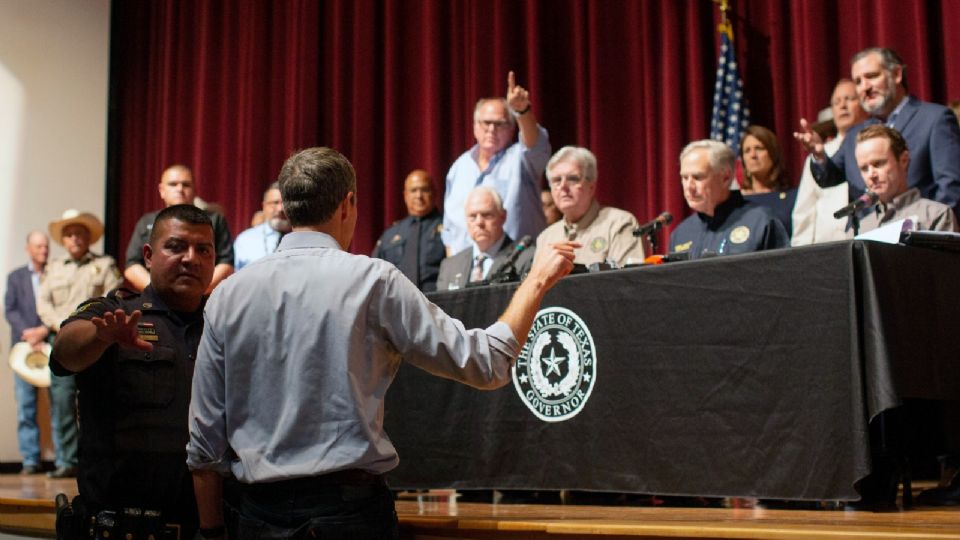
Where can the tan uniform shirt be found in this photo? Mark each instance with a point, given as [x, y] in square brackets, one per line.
[931, 215]
[66, 283]
[605, 232]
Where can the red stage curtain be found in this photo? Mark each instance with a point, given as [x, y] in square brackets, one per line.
[232, 87]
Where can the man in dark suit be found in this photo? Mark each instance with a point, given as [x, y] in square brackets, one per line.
[491, 247]
[931, 132]
[20, 304]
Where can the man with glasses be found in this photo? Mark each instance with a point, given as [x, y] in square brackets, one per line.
[490, 247]
[605, 233]
[724, 223]
[512, 166]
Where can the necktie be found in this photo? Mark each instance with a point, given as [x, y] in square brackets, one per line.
[410, 262]
[476, 273]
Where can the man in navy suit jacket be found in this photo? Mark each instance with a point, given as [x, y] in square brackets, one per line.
[20, 305]
[931, 132]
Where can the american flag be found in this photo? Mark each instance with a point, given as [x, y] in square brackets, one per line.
[730, 112]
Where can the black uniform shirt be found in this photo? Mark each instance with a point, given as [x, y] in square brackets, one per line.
[392, 242]
[133, 407]
[737, 226]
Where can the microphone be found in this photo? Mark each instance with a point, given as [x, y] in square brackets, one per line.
[508, 270]
[868, 198]
[654, 225]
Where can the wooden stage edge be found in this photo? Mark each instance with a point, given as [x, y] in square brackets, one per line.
[26, 507]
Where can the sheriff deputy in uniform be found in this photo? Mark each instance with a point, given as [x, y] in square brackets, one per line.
[65, 283]
[724, 223]
[605, 233]
[133, 354]
[413, 244]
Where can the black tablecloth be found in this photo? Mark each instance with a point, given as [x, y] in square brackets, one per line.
[751, 375]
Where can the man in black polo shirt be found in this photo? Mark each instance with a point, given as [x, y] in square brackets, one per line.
[724, 223]
[133, 354]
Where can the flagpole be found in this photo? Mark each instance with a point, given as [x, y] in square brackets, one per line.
[724, 26]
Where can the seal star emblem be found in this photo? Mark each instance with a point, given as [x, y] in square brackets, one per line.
[553, 362]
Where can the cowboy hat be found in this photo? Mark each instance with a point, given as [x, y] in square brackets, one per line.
[73, 216]
[32, 366]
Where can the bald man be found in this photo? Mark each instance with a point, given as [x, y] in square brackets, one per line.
[413, 244]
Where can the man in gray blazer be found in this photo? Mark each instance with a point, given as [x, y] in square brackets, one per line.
[931, 132]
[485, 259]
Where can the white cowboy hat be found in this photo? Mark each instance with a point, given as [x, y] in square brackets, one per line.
[72, 216]
[32, 366]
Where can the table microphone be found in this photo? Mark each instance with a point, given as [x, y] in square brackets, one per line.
[503, 273]
[654, 225]
[868, 198]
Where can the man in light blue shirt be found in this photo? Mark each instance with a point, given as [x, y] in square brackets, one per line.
[514, 170]
[263, 239]
[297, 353]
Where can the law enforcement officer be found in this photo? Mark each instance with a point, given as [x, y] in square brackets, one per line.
[606, 233]
[413, 244]
[724, 223]
[177, 187]
[133, 354]
[65, 283]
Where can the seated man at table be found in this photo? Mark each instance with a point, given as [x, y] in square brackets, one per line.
[605, 233]
[883, 158]
[485, 260]
[724, 223]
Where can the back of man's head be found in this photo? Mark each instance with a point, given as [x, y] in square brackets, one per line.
[313, 183]
[186, 213]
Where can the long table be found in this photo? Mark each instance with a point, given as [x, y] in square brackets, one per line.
[753, 375]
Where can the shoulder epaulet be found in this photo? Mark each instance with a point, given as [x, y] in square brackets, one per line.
[122, 293]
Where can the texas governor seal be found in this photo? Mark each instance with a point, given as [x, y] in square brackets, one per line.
[557, 367]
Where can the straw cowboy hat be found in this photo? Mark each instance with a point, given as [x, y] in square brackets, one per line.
[73, 216]
[32, 366]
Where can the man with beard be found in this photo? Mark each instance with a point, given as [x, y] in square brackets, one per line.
[931, 131]
[264, 238]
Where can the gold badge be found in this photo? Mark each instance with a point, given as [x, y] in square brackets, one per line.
[598, 244]
[684, 246]
[740, 234]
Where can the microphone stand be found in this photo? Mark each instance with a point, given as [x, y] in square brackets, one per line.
[855, 221]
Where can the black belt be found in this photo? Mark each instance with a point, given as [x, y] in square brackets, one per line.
[347, 477]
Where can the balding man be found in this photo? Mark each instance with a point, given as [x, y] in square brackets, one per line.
[499, 160]
[724, 223]
[176, 187]
[413, 244]
[490, 246]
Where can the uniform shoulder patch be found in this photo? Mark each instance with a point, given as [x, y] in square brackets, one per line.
[684, 246]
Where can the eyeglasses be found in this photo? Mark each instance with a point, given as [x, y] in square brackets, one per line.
[572, 179]
[495, 124]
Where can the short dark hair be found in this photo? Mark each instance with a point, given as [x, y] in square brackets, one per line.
[313, 183]
[888, 57]
[898, 145]
[186, 213]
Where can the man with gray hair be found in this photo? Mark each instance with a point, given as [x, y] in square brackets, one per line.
[297, 354]
[930, 129]
[491, 247]
[605, 233]
[724, 223]
[512, 167]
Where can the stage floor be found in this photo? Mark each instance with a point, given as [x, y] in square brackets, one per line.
[26, 507]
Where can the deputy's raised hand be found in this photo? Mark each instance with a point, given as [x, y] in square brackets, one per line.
[118, 327]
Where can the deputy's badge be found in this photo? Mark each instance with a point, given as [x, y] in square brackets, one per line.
[396, 238]
[598, 244]
[684, 246]
[740, 234]
[147, 331]
[557, 367]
